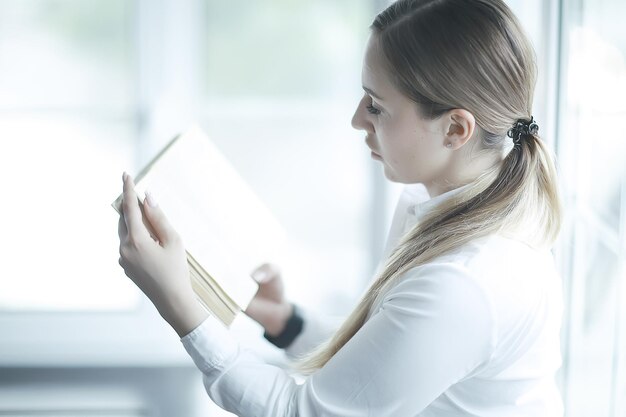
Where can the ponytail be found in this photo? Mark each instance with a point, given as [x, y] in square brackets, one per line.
[519, 199]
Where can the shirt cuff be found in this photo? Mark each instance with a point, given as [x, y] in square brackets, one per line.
[210, 345]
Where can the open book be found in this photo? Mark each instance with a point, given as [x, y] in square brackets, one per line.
[226, 229]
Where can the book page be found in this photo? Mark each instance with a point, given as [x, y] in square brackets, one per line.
[223, 224]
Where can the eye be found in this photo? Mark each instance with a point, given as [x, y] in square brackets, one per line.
[371, 109]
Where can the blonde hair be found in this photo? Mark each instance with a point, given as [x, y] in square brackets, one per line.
[474, 55]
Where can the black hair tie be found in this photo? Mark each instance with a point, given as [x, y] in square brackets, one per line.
[523, 128]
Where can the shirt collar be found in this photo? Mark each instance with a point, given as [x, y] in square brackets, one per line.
[421, 207]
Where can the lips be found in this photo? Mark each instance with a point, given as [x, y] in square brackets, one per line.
[369, 145]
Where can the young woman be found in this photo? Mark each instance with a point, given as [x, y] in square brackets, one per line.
[463, 316]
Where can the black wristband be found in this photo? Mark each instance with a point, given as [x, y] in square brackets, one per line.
[292, 329]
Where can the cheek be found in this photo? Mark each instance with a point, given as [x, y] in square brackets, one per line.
[409, 153]
[402, 144]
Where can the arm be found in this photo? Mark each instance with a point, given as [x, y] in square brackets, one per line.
[153, 256]
[432, 330]
[272, 310]
[401, 359]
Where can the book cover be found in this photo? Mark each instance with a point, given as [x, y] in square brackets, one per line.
[226, 229]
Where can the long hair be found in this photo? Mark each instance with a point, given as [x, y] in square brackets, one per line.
[474, 55]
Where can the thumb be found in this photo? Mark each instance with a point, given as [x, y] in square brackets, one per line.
[162, 229]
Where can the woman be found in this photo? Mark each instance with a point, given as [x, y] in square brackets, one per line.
[463, 317]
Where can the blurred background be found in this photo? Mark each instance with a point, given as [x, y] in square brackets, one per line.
[90, 88]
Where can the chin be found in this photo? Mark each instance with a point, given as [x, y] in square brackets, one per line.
[391, 176]
[394, 177]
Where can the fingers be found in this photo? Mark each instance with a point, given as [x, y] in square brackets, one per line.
[272, 316]
[266, 273]
[161, 226]
[131, 210]
[122, 232]
[270, 282]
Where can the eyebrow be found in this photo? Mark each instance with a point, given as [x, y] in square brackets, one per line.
[371, 93]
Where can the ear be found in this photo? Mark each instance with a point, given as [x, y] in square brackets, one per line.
[460, 125]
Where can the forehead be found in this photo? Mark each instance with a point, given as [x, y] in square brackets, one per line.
[373, 75]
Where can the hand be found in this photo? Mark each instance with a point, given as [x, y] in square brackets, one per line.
[269, 307]
[153, 257]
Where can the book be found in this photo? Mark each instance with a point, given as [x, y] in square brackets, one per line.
[226, 229]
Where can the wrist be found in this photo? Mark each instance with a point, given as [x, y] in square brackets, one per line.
[277, 322]
[292, 328]
[184, 314]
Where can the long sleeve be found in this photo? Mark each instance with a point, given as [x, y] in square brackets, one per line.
[430, 331]
[315, 329]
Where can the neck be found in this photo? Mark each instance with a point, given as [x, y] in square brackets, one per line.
[463, 169]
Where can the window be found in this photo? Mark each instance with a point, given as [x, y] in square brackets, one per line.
[91, 88]
[280, 82]
[591, 148]
[67, 121]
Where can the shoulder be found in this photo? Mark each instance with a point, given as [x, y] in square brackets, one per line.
[467, 266]
[493, 293]
[439, 304]
[438, 283]
[492, 275]
[442, 291]
[496, 259]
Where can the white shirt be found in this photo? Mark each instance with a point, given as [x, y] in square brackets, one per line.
[473, 333]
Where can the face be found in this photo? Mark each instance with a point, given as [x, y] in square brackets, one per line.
[411, 148]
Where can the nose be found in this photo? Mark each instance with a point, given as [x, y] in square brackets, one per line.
[359, 119]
